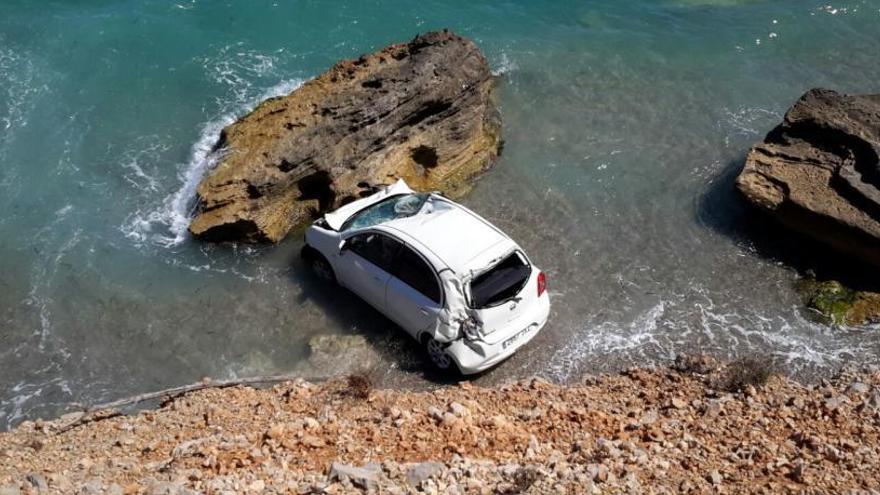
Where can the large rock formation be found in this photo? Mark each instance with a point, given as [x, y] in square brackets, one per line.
[421, 111]
[818, 172]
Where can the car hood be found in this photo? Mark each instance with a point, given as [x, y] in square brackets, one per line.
[336, 219]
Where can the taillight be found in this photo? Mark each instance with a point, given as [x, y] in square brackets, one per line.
[542, 283]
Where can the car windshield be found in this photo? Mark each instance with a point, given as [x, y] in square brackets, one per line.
[405, 205]
[501, 283]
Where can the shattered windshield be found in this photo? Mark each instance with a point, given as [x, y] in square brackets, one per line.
[388, 209]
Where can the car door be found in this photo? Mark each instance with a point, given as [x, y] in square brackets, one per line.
[365, 263]
[414, 296]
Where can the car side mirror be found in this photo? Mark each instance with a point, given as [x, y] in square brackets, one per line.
[343, 246]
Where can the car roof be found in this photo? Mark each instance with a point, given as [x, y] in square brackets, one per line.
[456, 236]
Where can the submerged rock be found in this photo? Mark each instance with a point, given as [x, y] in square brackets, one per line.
[337, 355]
[818, 172]
[421, 111]
[840, 305]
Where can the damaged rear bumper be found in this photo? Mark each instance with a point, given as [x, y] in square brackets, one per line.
[474, 356]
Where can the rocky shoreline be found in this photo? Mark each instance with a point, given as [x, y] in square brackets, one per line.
[696, 427]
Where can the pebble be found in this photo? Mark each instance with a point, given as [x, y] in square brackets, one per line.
[459, 410]
[859, 388]
[435, 413]
[38, 482]
[832, 403]
[421, 472]
[275, 431]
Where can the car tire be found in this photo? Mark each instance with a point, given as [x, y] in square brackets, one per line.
[319, 264]
[437, 354]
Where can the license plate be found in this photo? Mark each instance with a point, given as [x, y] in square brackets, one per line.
[508, 342]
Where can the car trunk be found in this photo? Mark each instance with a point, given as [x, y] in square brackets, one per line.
[499, 295]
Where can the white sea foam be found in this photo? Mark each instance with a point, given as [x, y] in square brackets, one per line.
[167, 224]
[505, 65]
[136, 161]
[19, 85]
[603, 339]
[747, 121]
[694, 322]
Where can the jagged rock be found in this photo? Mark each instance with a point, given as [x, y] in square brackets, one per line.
[167, 488]
[818, 172]
[858, 388]
[38, 481]
[366, 477]
[695, 363]
[421, 111]
[423, 471]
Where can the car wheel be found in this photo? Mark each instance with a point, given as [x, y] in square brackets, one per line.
[437, 354]
[319, 265]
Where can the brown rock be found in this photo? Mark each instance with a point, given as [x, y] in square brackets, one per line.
[313, 441]
[818, 171]
[275, 431]
[420, 111]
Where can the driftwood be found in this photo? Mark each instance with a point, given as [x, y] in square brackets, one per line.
[99, 412]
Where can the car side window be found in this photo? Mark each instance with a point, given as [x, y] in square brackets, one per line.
[378, 249]
[412, 270]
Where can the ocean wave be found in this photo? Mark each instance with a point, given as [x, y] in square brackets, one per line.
[604, 339]
[140, 173]
[696, 323]
[19, 86]
[504, 66]
[750, 122]
[167, 224]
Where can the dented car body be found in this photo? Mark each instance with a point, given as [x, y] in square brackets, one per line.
[451, 279]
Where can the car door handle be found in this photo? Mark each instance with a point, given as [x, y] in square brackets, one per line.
[424, 311]
[377, 279]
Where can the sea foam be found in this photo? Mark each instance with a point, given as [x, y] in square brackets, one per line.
[167, 224]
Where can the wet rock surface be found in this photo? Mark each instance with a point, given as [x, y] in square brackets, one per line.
[658, 430]
[818, 172]
[421, 111]
[337, 355]
[837, 304]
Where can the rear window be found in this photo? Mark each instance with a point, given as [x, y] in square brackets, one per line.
[503, 282]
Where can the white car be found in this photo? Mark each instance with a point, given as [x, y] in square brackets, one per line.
[454, 281]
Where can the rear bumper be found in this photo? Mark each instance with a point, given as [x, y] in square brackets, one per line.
[476, 356]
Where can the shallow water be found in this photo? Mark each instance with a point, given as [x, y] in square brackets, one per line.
[624, 124]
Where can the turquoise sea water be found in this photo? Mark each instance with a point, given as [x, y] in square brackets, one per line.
[624, 122]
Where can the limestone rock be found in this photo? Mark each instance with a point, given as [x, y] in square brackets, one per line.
[423, 471]
[421, 111]
[366, 477]
[818, 172]
[38, 481]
